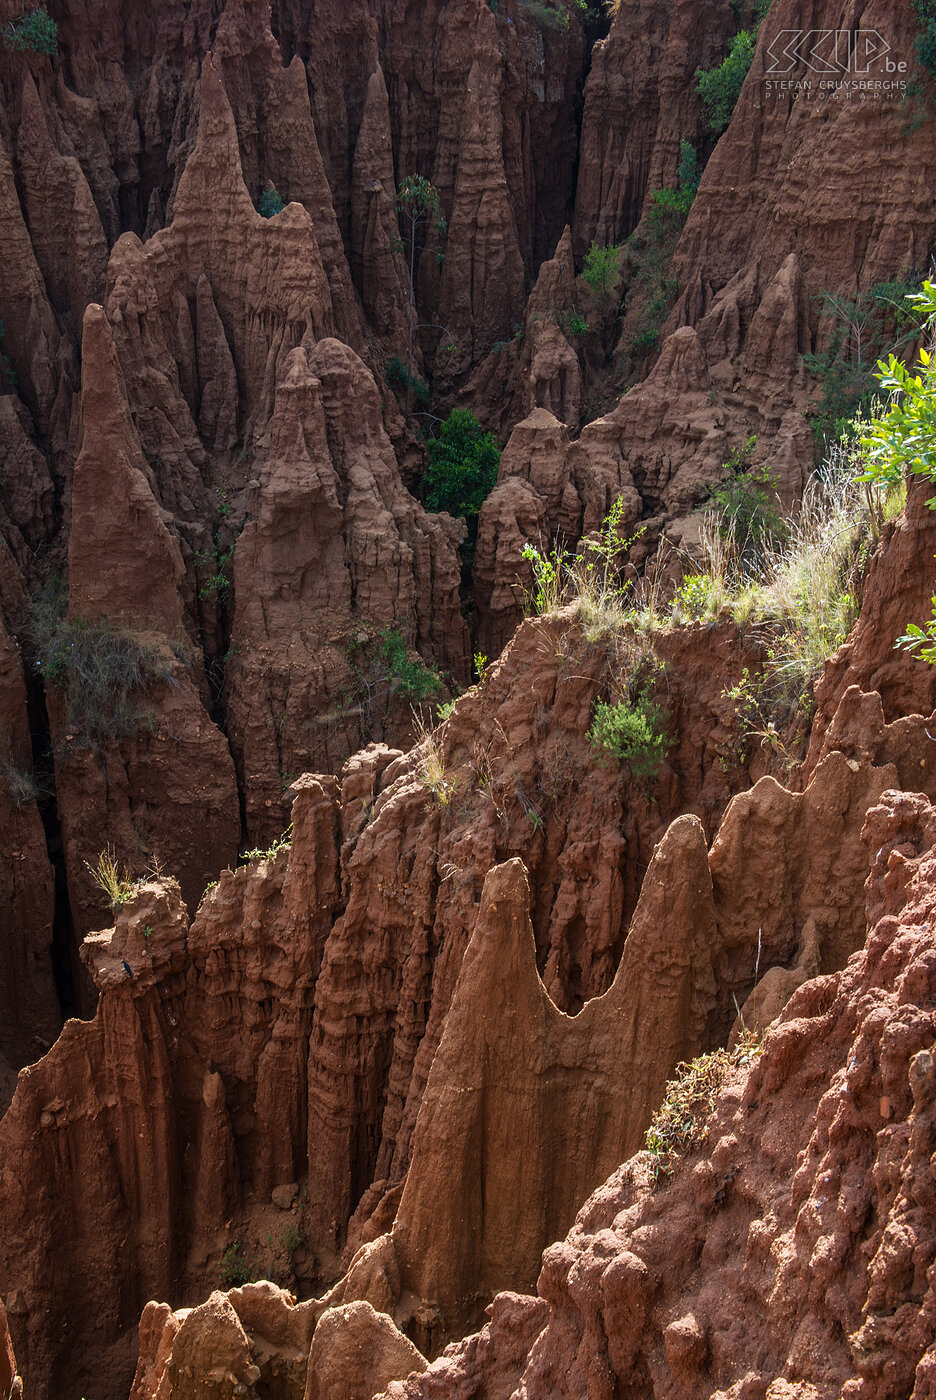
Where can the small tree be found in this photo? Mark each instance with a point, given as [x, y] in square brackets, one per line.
[270, 202]
[36, 32]
[601, 267]
[903, 439]
[420, 210]
[463, 465]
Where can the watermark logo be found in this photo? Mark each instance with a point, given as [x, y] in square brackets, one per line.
[834, 63]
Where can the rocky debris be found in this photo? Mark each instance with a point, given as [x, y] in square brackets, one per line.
[251, 1341]
[805, 1219]
[357, 1351]
[257, 1341]
[488, 1364]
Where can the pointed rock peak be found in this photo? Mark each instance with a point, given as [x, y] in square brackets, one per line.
[373, 154]
[103, 392]
[501, 956]
[122, 560]
[298, 415]
[244, 26]
[563, 253]
[33, 129]
[215, 164]
[506, 894]
[555, 282]
[682, 367]
[675, 911]
[348, 389]
[215, 118]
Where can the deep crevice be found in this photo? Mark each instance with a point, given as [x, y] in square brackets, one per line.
[63, 950]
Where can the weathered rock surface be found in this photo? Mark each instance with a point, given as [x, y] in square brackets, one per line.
[337, 549]
[640, 101]
[790, 1255]
[10, 1384]
[29, 1012]
[276, 1040]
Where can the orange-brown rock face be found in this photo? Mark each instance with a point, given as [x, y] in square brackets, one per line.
[791, 1254]
[10, 1384]
[640, 102]
[337, 542]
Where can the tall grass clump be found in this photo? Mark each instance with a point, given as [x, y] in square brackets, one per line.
[102, 670]
[799, 591]
[591, 577]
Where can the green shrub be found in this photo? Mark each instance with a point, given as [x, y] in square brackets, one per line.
[903, 439]
[864, 328]
[102, 670]
[236, 1269]
[601, 267]
[463, 466]
[680, 1124]
[694, 596]
[720, 87]
[411, 678]
[270, 203]
[925, 42]
[219, 562]
[670, 208]
[36, 32]
[746, 504]
[571, 323]
[398, 378]
[634, 734]
[545, 15]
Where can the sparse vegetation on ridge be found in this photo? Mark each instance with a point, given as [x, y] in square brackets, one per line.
[102, 670]
[115, 882]
[282, 843]
[680, 1124]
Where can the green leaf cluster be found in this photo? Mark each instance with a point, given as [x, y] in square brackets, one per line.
[904, 437]
[720, 87]
[635, 734]
[36, 32]
[412, 679]
[270, 202]
[601, 267]
[463, 466]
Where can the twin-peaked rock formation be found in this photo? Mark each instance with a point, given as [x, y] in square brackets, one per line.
[792, 1255]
